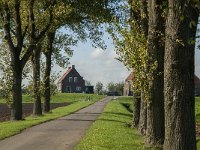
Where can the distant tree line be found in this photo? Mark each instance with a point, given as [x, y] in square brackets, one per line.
[111, 87]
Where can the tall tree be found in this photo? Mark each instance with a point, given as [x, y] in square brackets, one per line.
[131, 45]
[155, 107]
[144, 29]
[18, 22]
[83, 21]
[35, 59]
[46, 80]
[139, 21]
[179, 75]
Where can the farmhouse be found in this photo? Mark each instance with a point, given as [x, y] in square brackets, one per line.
[73, 82]
[197, 85]
[128, 89]
[128, 85]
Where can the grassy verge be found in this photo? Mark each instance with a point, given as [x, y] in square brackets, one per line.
[63, 97]
[111, 130]
[197, 109]
[11, 128]
[71, 97]
[197, 112]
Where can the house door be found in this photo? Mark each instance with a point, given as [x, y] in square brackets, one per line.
[68, 89]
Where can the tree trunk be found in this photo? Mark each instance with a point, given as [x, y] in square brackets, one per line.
[16, 107]
[139, 20]
[37, 108]
[179, 76]
[155, 109]
[47, 89]
[144, 30]
[143, 115]
[136, 110]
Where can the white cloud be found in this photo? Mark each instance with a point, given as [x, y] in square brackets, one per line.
[98, 52]
[101, 66]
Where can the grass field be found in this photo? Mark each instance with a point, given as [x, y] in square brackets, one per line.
[111, 130]
[63, 97]
[197, 112]
[197, 109]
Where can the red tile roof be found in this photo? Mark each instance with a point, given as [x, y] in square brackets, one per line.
[196, 80]
[65, 74]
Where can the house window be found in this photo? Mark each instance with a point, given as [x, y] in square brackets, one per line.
[78, 88]
[75, 79]
[70, 79]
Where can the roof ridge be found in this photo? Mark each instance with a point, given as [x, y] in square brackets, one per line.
[64, 75]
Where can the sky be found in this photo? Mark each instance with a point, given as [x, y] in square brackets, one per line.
[197, 54]
[95, 64]
[197, 62]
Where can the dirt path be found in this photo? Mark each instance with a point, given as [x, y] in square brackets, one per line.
[59, 134]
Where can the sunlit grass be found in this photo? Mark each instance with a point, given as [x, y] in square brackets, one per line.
[71, 97]
[111, 131]
[197, 109]
[197, 112]
[63, 97]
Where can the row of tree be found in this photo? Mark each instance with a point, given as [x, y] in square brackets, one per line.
[110, 87]
[29, 31]
[157, 39]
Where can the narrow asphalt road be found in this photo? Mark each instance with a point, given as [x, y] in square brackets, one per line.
[59, 134]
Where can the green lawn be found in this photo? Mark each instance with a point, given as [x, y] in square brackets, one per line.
[71, 97]
[63, 97]
[111, 130]
[197, 112]
[10, 128]
[197, 109]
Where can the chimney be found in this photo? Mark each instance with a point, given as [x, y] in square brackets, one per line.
[73, 66]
